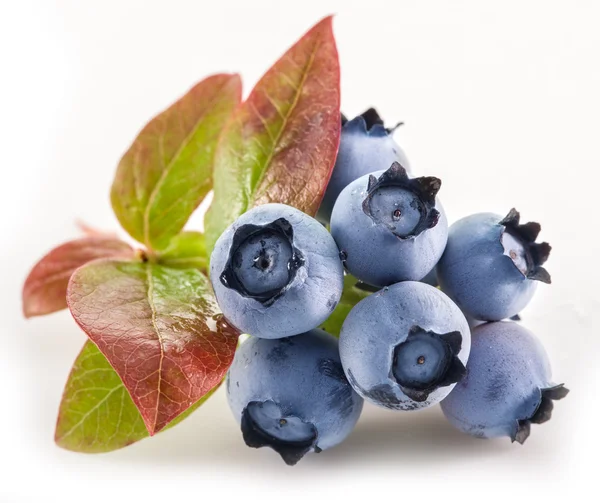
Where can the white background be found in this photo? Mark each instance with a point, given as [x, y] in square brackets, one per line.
[501, 101]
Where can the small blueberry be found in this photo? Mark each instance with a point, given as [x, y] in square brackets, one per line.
[404, 347]
[389, 226]
[507, 387]
[291, 394]
[366, 145]
[492, 265]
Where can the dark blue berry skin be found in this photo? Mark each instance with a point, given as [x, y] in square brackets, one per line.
[276, 272]
[292, 395]
[381, 247]
[404, 347]
[365, 147]
[477, 270]
[431, 278]
[507, 387]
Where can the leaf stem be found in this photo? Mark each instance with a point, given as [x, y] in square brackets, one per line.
[146, 255]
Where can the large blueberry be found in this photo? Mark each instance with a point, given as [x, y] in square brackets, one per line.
[405, 346]
[507, 387]
[292, 395]
[366, 145]
[491, 265]
[276, 272]
[389, 227]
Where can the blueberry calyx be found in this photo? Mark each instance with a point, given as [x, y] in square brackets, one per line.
[283, 230]
[264, 425]
[535, 254]
[542, 414]
[371, 122]
[423, 188]
[426, 361]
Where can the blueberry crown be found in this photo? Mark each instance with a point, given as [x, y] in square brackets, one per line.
[425, 188]
[230, 279]
[452, 371]
[291, 452]
[542, 413]
[536, 254]
[370, 122]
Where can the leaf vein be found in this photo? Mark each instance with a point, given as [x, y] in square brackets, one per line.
[286, 118]
[169, 167]
[158, 334]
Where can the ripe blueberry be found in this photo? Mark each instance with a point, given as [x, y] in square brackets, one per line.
[291, 394]
[491, 265]
[507, 387]
[389, 227]
[366, 145]
[405, 346]
[276, 272]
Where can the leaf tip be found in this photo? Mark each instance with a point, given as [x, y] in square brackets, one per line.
[324, 27]
[325, 24]
[25, 307]
[59, 437]
[327, 19]
[152, 426]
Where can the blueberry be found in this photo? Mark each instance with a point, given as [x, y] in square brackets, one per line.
[491, 265]
[405, 346]
[276, 272]
[365, 146]
[291, 394]
[390, 229]
[507, 387]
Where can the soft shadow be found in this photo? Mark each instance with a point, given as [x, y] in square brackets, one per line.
[209, 437]
[212, 437]
[421, 437]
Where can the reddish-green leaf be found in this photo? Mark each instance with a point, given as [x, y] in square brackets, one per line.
[160, 329]
[281, 144]
[167, 171]
[45, 288]
[96, 412]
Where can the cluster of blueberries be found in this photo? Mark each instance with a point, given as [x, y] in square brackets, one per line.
[278, 274]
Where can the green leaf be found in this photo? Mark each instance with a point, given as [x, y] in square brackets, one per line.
[187, 250]
[160, 329]
[350, 297]
[45, 289]
[96, 413]
[167, 171]
[281, 144]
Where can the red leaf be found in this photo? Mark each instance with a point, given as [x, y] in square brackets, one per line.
[281, 144]
[160, 329]
[45, 288]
